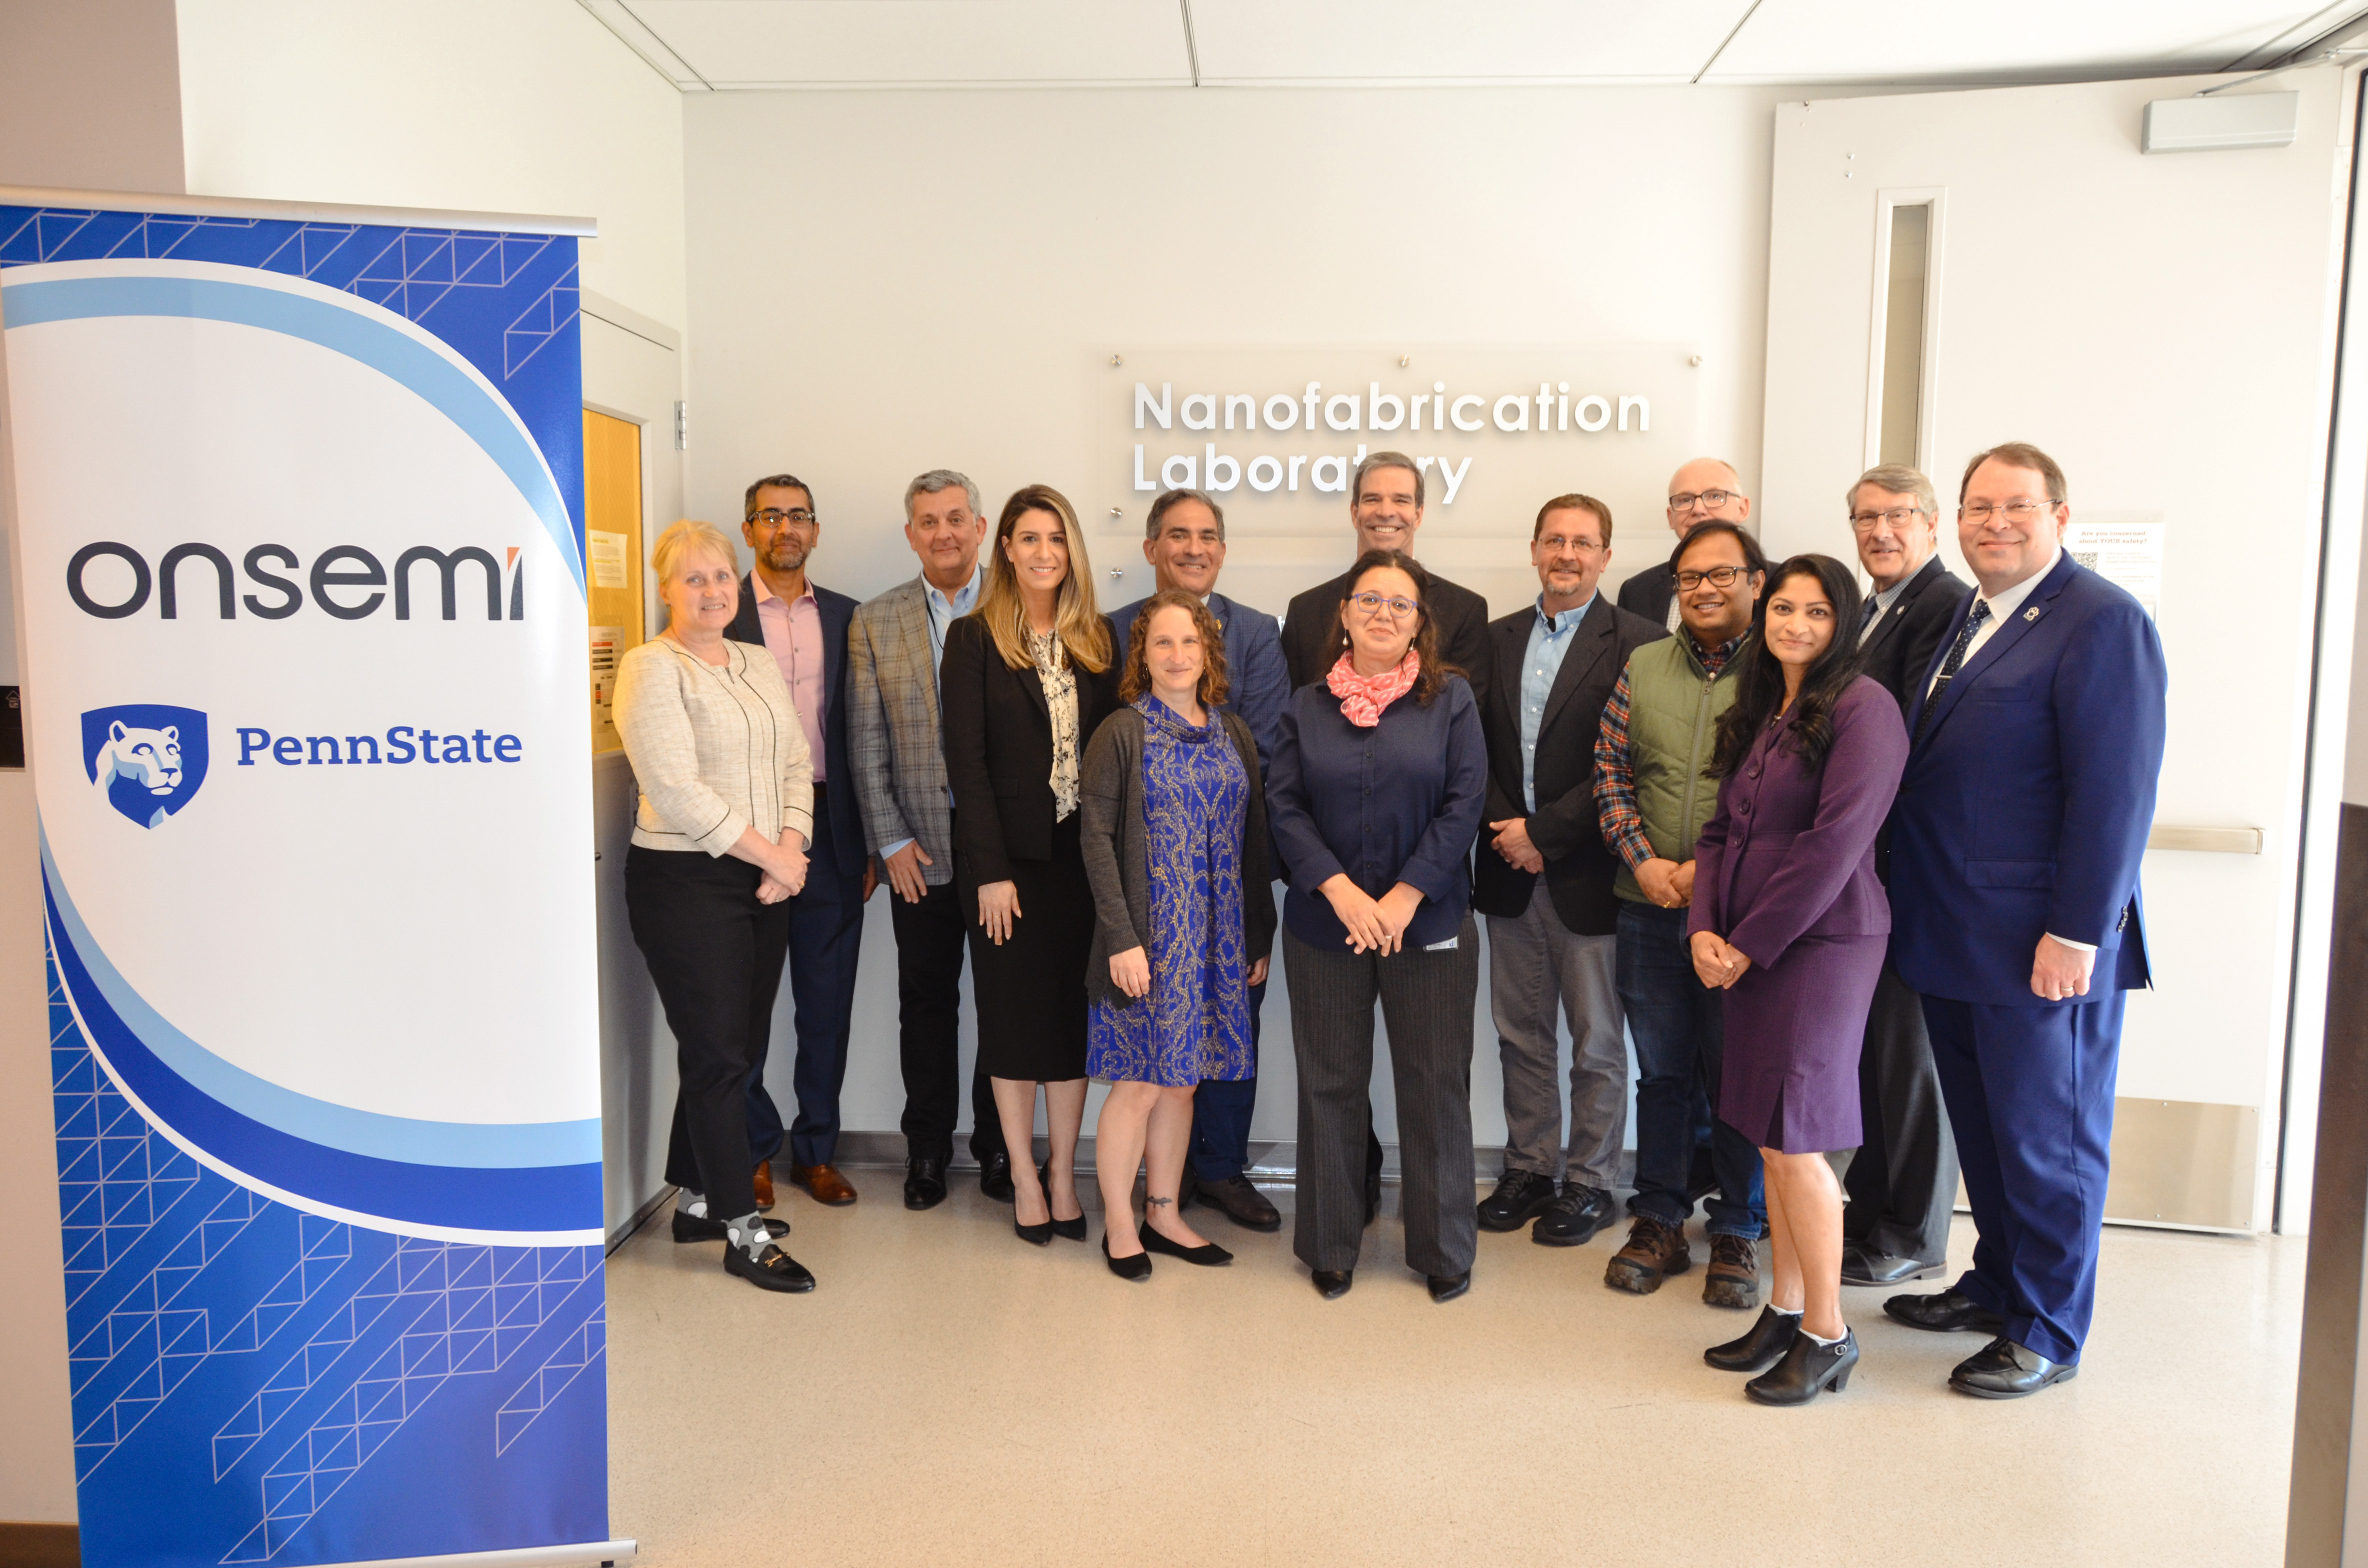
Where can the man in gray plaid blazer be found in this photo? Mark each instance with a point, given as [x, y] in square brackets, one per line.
[894, 648]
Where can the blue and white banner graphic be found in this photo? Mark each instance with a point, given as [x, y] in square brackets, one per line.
[300, 574]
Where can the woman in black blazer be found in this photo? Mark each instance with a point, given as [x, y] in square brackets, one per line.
[1027, 677]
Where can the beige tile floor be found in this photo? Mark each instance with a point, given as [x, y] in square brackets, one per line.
[950, 1396]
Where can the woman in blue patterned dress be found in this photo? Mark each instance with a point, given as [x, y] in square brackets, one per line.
[1175, 845]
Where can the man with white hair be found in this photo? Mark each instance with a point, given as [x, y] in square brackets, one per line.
[1705, 489]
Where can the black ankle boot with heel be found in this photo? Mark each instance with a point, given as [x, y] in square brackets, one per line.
[1761, 1347]
[1808, 1370]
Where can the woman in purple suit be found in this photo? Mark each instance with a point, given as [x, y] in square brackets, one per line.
[1791, 921]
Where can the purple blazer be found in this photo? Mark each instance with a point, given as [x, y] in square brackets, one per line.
[1789, 852]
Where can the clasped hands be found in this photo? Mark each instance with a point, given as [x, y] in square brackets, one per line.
[784, 871]
[1666, 883]
[1376, 925]
[1719, 962]
[1130, 971]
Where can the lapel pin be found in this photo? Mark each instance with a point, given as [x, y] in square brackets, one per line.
[2030, 614]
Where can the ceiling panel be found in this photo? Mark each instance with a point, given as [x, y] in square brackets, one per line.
[787, 43]
[1831, 41]
[1412, 41]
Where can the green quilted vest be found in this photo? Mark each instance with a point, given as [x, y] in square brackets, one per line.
[1673, 709]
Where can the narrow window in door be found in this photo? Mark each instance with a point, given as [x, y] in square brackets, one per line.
[1902, 333]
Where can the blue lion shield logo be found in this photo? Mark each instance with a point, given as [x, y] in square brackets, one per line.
[147, 759]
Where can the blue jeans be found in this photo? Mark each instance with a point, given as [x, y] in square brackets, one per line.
[1680, 1028]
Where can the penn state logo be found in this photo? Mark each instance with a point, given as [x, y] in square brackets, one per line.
[148, 759]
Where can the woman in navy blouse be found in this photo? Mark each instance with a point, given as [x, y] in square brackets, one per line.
[1378, 787]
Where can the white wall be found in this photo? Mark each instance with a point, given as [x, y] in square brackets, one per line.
[886, 282]
[90, 94]
[526, 105]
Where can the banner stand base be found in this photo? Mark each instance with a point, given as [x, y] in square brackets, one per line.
[604, 1552]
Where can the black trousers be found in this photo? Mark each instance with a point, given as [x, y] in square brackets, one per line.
[930, 942]
[1902, 1183]
[715, 956]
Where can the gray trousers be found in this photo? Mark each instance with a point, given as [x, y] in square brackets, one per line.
[1902, 1183]
[1539, 966]
[1426, 999]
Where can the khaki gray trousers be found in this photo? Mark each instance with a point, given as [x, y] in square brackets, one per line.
[1426, 999]
[1538, 968]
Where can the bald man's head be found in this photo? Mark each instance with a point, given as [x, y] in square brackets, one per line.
[1706, 490]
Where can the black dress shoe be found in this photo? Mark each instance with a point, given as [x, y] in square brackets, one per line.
[2003, 1370]
[1333, 1283]
[1238, 1199]
[1807, 1370]
[1208, 1254]
[699, 1228]
[925, 1181]
[1520, 1197]
[1761, 1346]
[1573, 1219]
[1447, 1286]
[995, 1178]
[1136, 1269]
[772, 1269]
[1863, 1264]
[1943, 1311]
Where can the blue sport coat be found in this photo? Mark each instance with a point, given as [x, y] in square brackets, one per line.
[1260, 681]
[839, 766]
[2025, 808]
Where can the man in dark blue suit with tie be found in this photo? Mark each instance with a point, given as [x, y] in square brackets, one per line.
[803, 626]
[2015, 846]
[1184, 539]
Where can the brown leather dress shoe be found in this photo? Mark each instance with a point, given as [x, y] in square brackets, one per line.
[825, 1184]
[764, 1185]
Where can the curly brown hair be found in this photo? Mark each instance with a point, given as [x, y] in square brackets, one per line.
[1215, 681]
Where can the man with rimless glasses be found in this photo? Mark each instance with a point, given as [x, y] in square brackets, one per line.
[1706, 490]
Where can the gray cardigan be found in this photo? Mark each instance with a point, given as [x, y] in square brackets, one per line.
[1110, 795]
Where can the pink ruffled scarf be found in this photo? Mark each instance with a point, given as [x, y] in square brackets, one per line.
[1363, 698]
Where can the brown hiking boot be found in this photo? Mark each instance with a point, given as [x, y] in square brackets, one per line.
[1654, 1251]
[1733, 1279]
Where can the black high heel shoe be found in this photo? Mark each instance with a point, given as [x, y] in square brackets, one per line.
[1807, 1370]
[1034, 1235]
[1760, 1347]
[1075, 1230]
[1136, 1269]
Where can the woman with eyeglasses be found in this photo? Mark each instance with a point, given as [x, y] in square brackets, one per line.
[1029, 675]
[1379, 782]
[1791, 924]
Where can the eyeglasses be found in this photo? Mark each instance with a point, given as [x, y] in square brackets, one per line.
[1370, 605]
[1897, 518]
[1712, 500]
[1554, 544]
[1717, 577]
[771, 518]
[2019, 510]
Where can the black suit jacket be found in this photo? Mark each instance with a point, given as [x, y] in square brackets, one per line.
[838, 613]
[998, 741]
[1311, 627]
[1647, 595]
[1566, 827]
[1897, 650]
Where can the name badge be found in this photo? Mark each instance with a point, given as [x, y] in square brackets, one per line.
[1448, 945]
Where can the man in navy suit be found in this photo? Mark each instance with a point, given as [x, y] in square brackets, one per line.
[1184, 539]
[2036, 740]
[804, 627]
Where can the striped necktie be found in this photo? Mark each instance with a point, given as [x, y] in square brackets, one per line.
[1949, 671]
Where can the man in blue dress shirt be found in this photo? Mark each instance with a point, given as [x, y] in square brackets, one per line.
[1184, 539]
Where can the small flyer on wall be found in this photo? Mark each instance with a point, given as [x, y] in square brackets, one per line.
[606, 640]
[2126, 551]
[605, 553]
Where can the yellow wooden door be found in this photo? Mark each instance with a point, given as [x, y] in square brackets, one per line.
[612, 557]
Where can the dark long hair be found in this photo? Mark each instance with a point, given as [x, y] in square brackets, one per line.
[1759, 687]
[1434, 673]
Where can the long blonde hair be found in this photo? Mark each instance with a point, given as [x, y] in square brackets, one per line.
[1079, 626]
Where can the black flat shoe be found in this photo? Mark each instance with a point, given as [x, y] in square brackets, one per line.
[1333, 1283]
[925, 1181]
[1761, 1346]
[2003, 1370]
[772, 1269]
[995, 1178]
[1134, 1269]
[697, 1228]
[1034, 1235]
[1447, 1286]
[1208, 1254]
[1943, 1311]
[1807, 1371]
